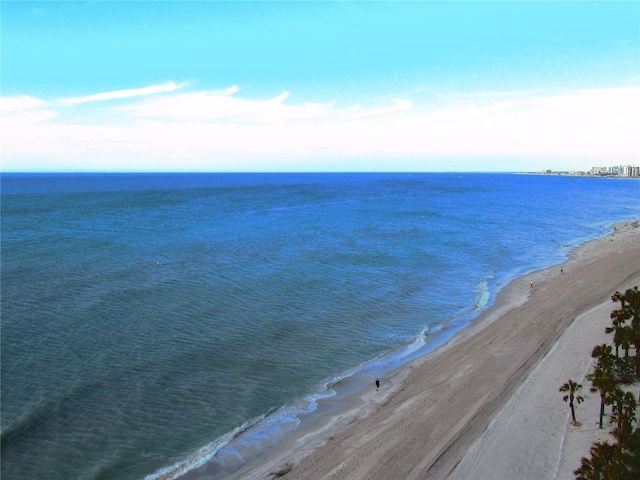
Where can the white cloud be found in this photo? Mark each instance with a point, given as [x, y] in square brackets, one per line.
[399, 105]
[20, 103]
[220, 130]
[24, 108]
[223, 106]
[119, 94]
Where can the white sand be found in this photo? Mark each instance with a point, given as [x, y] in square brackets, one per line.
[533, 437]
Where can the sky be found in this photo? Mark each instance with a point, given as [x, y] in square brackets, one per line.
[120, 86]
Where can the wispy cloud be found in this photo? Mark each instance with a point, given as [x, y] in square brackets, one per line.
[119, 94]
[224, 107]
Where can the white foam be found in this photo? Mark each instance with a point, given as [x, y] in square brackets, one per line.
[201, 456]
[483, 296]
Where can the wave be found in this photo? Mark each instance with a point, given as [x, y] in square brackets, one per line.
[47, 413]
[202, 456]
[484, 295]
[27, 424]
[249, 437]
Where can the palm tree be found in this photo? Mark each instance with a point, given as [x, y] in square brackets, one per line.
[602, 353]
[594, 468]
[622, 460]
[602, 378]
[624, 415]
[635, 340]
[629, 310]
[573, 388]
[620, 333]
[603, 464]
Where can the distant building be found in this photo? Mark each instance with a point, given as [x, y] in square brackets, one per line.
[630, 171]
[616, 171]
[612, 171]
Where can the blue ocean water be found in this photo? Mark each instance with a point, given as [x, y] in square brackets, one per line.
[149, 319]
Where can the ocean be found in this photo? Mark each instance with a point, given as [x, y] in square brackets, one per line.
[154, 322]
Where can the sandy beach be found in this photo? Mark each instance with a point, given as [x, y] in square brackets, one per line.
[486, 405]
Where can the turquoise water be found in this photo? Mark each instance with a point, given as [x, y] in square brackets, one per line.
[148, 319]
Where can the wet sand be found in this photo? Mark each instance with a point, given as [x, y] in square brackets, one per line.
[447, 409]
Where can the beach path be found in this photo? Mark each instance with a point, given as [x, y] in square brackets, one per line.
[532, 437]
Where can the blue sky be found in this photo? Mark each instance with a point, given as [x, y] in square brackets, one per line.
[319, 86]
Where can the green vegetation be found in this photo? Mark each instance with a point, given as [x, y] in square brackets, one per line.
[620, 460]
[573, 388]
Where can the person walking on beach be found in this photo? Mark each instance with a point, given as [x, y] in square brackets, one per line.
[377, 384]
[531, 283]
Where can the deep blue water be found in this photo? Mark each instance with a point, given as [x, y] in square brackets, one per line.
[145, 317]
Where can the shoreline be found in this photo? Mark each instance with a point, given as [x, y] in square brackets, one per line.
[424, 417]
